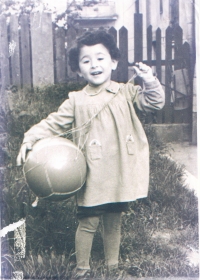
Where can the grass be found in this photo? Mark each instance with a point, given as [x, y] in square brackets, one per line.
[158, 232]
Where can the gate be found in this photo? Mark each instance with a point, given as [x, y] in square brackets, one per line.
[36, 54]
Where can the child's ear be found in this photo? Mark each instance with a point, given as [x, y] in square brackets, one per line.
[114, 64]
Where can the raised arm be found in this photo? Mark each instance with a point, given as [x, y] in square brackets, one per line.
[152, 97]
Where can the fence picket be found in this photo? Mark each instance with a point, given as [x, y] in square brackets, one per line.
[138, 37]
[26, 68]
[4, 54]
[14, 55]
[159, 114]
[123, 63]
[149, 117]
[42, 48]
[158, 53]
[113, 32]
[60, 55]
[187, 116]
[186, 58]
[149, 45]
[71, 37]
[168, 112]
[138, 41]
[178, 37]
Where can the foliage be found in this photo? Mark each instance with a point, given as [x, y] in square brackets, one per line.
[156, 231]
[60, 18]
[32, 105]
[10, 7]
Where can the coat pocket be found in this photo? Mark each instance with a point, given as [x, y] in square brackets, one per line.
[130, 144]
[95, 150]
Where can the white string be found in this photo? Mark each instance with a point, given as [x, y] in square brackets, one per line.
[88, 123]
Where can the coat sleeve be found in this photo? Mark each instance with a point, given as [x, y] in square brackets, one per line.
[151, 98]
[56, 123]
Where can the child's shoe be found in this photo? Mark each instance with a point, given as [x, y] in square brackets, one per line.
[115, 274]
[79, 273]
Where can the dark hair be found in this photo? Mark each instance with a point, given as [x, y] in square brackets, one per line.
[91, 39]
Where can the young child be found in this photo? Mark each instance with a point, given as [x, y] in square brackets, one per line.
[115, 144]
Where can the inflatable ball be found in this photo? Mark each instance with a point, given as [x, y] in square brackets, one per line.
[55, 168]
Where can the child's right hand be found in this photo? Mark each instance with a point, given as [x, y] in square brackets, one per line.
[21, 158]
[144, 72]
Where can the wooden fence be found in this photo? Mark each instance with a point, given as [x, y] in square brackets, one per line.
[34, 52]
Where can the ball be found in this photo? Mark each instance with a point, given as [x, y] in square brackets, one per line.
[55, 168]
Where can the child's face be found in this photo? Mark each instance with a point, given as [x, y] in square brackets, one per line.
[96, 64]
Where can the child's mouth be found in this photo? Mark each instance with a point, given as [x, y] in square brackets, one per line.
[96, 73]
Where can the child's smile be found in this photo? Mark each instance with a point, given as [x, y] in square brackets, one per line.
[96, 64]
[96, 73]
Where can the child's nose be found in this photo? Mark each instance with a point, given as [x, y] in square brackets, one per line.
[94, 63]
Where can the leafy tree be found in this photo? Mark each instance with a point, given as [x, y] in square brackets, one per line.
[10, 7]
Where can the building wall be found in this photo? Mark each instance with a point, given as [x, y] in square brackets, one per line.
[125, 11]
[152, 14]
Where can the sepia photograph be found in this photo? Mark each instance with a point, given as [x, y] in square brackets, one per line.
[99, 173]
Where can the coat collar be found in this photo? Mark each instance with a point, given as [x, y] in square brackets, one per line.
[113, 87]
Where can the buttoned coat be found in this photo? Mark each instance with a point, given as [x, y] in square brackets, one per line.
[108, 131]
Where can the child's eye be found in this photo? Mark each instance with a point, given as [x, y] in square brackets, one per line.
[100, 58]
[86, 61]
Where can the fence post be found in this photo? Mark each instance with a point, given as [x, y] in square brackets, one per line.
[42, 48]
[158, 53]
[186, 54]
[71, 37]
[149, 117]
[158, 68]
[123, 63]
[149, 45]
[178, 64]
[138, 42]
[25, 47]
[4, 54]
[113, 32]
[60, 55]
[168, 76]
[178, 38]
[138, 37]
[14, 51]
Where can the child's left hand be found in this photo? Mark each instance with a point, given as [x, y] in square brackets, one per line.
[144, 72]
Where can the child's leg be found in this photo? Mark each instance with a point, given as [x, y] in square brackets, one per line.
[83, 241]
[111, 238]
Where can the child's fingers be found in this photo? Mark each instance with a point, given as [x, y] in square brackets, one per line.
[22, 153]
[142, 67]
[136, 69]
[142, 70]
[19, 159]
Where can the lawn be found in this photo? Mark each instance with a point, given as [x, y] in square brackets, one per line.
[159, 233]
